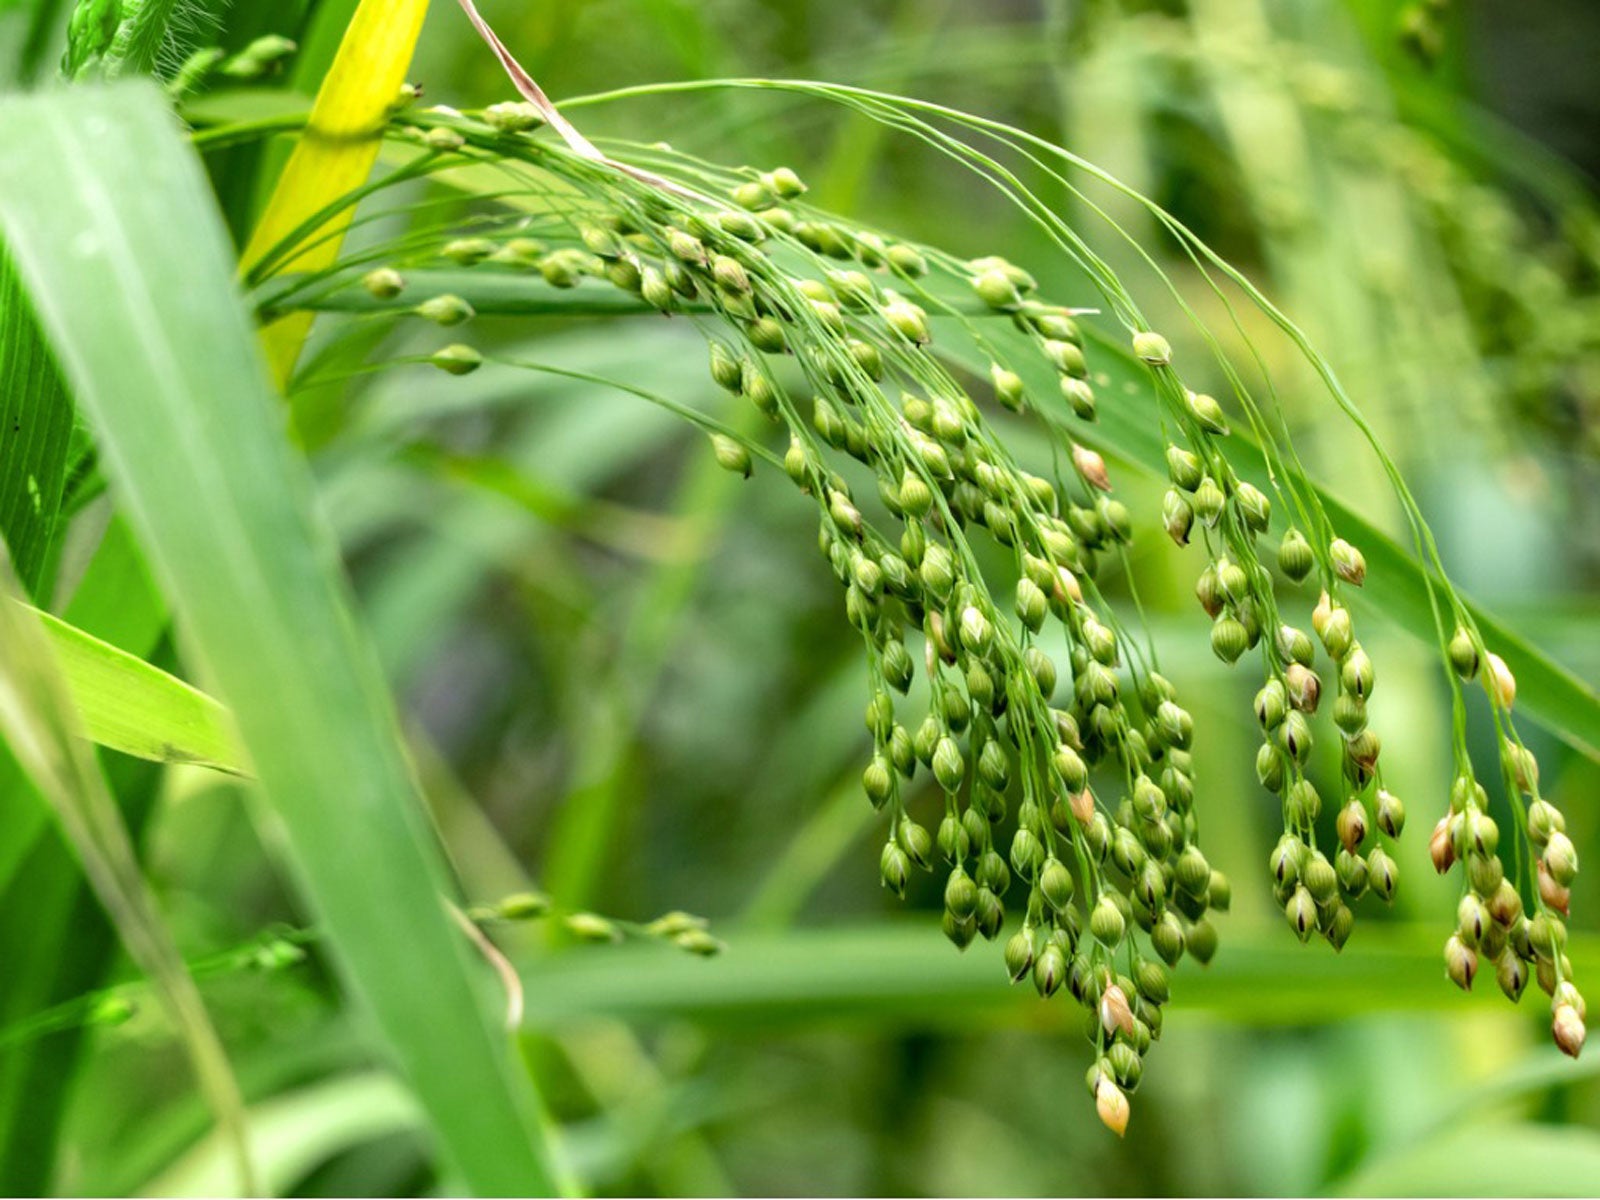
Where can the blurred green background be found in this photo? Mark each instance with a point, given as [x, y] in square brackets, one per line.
[629, 680]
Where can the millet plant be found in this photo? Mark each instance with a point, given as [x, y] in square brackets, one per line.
[996, 664]
[1060, 750]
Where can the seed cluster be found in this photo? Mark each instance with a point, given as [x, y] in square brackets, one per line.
[1060, 753]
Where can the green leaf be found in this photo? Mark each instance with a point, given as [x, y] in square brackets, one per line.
[900, 973]
[129, 267]
[128, 705]
[35, 426]
[37, 719]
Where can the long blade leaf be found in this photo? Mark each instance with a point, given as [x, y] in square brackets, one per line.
[128, 265]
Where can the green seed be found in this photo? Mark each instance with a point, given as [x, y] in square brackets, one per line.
[1207, 412]
[445, 310]
[1295, 556]
[1152, 348]
[456, 359]
[385, 283]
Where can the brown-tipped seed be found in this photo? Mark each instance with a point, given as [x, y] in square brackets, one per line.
[1460, 962]
[1511, 973]
[1553, 894]
[1116, 1014]
[1355, 673]
[1351, 825]
[1302, 913]
[1500, 682]
[1440, 847]
[1391, 813]
[1472, 920]
[1111, 1106]
[1568, 1030]
[1177, 514]
[1091, 466]
[1560, 859]
[1383, 873]
[1348, 562]
[1304, 688]
[1082, 805]
[1049, 970]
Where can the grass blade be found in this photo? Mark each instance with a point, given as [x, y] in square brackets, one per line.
[126, 704]
[151, 331]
